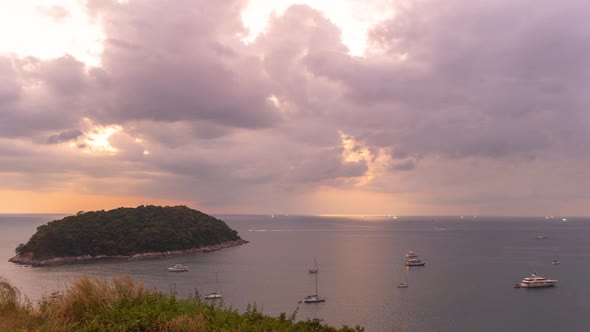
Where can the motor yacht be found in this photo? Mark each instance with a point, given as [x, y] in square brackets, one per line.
[534, 281]
[415, 262]
[178, 268]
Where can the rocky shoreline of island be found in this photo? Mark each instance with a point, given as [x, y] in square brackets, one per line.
[27, 260]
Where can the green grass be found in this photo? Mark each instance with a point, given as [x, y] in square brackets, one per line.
[121, 304]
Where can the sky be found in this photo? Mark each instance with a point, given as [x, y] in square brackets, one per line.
[384, 107]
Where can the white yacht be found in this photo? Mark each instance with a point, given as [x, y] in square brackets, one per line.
[540, 236]
[411, 254]
[178, 268]
[535, 281]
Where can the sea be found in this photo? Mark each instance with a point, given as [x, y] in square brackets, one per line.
[472, 263]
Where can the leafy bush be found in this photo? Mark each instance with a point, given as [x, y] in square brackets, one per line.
[96, 304]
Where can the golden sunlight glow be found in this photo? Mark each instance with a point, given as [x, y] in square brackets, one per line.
[97, 140]
[354, 17]
[274, 100]
[49, 29]
[22, 201]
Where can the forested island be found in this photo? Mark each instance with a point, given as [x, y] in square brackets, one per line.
[126, 233]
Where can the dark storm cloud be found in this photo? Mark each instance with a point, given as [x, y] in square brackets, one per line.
[65, 75]
[186, 65]
[325, 165]
[10, 88]
[489, 79]
[290, 39]
[64, 136]
[404, 166]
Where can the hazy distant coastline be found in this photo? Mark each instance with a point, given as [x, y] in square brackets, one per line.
[24, 260]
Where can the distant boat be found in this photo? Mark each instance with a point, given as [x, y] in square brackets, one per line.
[315, 298]
[412, 259]
[415, 262]
[178, 268]
[55, 295]
[540, 236]
[555, 262]
[215, 295]
[315, 268]
[534, 281]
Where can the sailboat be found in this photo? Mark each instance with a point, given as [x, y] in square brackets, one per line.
[315, 267]
[215, 295]
[314, 298]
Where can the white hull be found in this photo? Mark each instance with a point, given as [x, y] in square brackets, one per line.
[314, 299]
[213, 296]
[178, 268]
[538, 284]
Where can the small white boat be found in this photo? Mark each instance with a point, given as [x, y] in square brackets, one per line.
[215, 295]
[411, 254]
[540, 236]
[534, 281]
[402, 285]
[555, 262]
[314, 299]
[178, 268]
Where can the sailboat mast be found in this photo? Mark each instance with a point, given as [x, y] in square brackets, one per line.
[316, 284]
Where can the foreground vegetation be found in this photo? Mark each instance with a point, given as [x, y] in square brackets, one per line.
[120, 304]
[126, 232]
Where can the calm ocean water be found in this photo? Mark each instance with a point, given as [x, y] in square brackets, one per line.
[466, 285]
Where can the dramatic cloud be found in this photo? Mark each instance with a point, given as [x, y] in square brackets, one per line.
[65, 136]
[455, 107]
